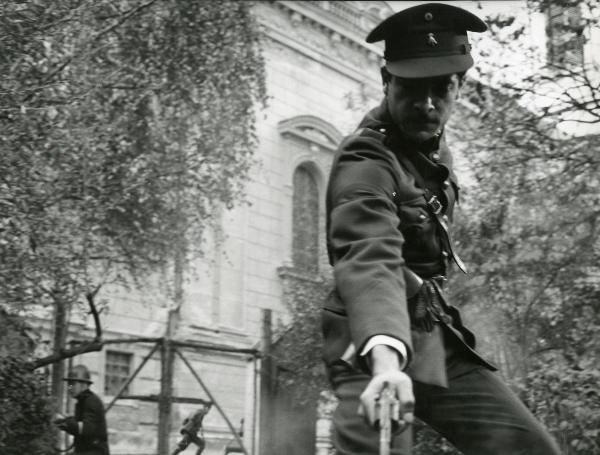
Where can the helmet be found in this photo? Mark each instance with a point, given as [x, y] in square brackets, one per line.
[79, 373]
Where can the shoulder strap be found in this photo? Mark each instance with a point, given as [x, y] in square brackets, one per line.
[370, 132]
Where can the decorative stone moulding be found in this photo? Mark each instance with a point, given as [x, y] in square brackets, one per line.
[296, 18]
[343, 23]
[308, 128]
[289, 272]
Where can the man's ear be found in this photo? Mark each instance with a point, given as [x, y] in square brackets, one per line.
[385, 79]
[461, 81]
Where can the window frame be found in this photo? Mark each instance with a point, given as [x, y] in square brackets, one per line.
[108, 375]
[303, 261]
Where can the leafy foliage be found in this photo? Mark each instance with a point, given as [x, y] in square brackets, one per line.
[556, 78]
[25, 420]
[427, 441]
[14, 337]
[530, 227]
[567, 401]
[529, 230]
[123, 125]
[298, 349]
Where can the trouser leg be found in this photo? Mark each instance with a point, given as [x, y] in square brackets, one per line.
[480, 415]
[477, 413]
[351, 434]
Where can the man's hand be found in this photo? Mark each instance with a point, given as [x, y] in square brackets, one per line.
[386, 372]
[68, 424]
[61, 424]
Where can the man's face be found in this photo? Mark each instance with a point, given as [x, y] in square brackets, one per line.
[76, 387]
[421, 107]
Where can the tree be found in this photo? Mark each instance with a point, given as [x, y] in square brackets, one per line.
[124, 124]
[26, 412]
[529, 230]
[25, 420]
[299, 342]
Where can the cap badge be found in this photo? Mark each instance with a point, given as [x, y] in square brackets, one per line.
[431, 41]
[428, 16]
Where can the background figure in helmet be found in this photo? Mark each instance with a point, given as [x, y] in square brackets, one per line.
[88, 425]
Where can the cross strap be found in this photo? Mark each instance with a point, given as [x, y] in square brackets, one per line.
[434, 206]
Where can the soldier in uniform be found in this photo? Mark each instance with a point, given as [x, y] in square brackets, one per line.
[88, 425]
[390, 202]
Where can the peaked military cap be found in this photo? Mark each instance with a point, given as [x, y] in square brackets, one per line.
[427, 40]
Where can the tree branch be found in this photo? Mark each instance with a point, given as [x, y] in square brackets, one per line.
[126, 16]
[86, 347]
[62, 354]
[98, 35]
[90, 299]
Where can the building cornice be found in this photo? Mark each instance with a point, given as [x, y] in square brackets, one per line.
[342, 48]
[308, 10]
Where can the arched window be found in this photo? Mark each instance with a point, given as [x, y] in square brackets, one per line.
[305, 221]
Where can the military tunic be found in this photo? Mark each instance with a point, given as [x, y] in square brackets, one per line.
[390, 203]
[378, 222]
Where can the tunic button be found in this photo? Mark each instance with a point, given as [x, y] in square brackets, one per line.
[435, 156]
[446, 183]
[445, 217]
[422, 217]
[445, 254]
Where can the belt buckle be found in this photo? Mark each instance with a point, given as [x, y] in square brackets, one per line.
[434, 204]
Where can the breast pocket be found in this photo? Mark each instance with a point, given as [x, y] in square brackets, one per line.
[414, 217]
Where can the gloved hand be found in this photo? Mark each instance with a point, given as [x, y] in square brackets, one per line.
[423, 308]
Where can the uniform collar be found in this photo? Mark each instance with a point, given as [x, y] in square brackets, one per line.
[435, 151]
[379, 118]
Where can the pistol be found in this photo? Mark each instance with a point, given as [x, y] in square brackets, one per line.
[387, 408]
